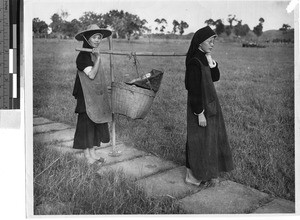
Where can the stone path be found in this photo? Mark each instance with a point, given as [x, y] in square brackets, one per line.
[159, 177]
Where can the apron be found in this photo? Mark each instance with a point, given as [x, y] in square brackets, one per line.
[96, 96]
[207, 147]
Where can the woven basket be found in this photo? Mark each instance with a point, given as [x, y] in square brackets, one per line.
[131, 101]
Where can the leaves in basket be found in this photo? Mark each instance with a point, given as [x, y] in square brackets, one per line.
[149, 80]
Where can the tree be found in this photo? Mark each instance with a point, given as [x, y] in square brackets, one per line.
[39, 27]
[71, 28]
[227, 30]
[209, 22]
[57, 23]
[241, 30]
[183, 25]
[144, 28]
[239, 22]
[60, 26]
[261, 20]
[116, 20]
[90, 17]
[64, 15]
[258, 30]
[161, 24]
[231, 19]
[124, 24]
[220, 27]
[133, 25]
[285, 28]
[175, 26]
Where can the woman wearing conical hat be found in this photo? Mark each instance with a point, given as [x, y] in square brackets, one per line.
[207, 148]
[90, 90]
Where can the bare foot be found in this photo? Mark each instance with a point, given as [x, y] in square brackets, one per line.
[189, 178]
[212, 182]
[90, 160]
[101, 161]
[88, 157]
[215, 181]
[94, 155]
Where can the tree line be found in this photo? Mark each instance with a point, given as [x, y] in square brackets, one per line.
[127, 25]
[238, 29]
[123, 24]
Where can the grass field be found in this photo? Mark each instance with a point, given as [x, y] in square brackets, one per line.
[256, 92]
[64, 185]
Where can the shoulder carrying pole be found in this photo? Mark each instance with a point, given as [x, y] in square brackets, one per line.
[114, 152]
[172, 54]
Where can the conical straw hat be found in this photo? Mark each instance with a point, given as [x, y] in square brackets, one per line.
[91, 30]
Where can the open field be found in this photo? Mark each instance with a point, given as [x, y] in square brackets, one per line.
[256, 92]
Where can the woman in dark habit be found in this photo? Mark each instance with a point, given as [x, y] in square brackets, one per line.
[207, 148]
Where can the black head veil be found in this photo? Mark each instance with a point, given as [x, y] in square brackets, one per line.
[200, 36]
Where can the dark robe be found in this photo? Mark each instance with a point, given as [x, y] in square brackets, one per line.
[88, 133]
[208, 152]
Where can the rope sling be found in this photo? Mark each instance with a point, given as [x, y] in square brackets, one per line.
[134, 99]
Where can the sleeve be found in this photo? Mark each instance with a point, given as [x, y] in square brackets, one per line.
[83, 60]
[194, 87]
[215, 73]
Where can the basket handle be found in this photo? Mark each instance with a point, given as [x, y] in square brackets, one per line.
[135, 62]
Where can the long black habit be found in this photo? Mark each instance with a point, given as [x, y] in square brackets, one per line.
[207, 148]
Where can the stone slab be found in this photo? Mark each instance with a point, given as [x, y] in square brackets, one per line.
[277, 206]
[67, 144]
[127, 153]
[65, 149]
[103, 145]
[168, 183]
[140, 167]
[49, 127]
[64, 135]
[40, 121]
[226, 198]
[109, 144]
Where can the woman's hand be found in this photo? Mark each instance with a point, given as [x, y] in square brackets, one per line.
[202, 120]
[210, 60]
[96, 52]
[92, 74]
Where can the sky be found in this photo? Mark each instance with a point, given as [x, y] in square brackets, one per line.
[194, 12]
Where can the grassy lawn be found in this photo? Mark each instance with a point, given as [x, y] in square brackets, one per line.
[256, 92]
[63, 185]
